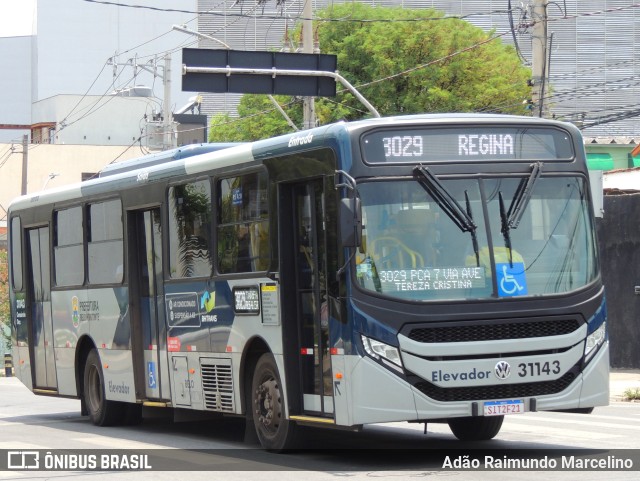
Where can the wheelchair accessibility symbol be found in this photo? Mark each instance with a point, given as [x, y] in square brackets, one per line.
[511, 279]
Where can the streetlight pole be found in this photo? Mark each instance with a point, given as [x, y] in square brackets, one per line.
[167, 117]
[25, 163]
[309, 107]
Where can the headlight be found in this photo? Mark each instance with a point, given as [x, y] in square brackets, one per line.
[389, 355]
[594, 341]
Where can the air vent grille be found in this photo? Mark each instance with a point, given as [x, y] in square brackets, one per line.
[217, 384]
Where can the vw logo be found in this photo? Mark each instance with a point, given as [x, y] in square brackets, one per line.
[502, 370]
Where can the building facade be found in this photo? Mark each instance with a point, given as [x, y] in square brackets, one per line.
[70, 47]
[592, 47]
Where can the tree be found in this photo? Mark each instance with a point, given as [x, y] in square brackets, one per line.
[4, 297]
[404, 61]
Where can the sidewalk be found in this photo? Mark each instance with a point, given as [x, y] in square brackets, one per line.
[622, 379]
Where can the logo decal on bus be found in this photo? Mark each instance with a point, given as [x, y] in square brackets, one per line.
[511, 279]
[207, 304]
[208, 301]
[173, 344]
[502, 370]
[295, 141]
[75, 311]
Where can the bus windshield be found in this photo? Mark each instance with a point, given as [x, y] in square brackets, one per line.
[414, 248]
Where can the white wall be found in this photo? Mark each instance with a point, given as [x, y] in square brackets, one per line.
[103, 120]
[62, 47]
[623, 179]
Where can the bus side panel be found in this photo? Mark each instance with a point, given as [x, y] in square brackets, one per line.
[99, 313]
[22, 364]
[68, 327]
[207, 336]
[594, 377]
[20, 338]
[119, 384]
[376, 394]
[107, 312]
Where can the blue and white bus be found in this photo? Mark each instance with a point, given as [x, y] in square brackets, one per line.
[431, 268]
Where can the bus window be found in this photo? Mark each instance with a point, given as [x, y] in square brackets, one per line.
[68, 247]
[105, 245]
[190, 230]
[16, 254]
[243, 228]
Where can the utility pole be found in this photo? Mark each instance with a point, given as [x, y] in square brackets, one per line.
[307, 47]
[167, 118]
[25, 162]
[168, 137]
[539, 42]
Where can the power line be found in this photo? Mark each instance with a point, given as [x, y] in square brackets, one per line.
[269, 16]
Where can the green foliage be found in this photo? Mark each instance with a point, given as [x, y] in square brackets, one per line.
[449, 65]
[4, 296]
[258, 119]
[632, 394]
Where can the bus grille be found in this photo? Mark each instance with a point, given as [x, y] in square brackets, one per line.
[217, 384]
[493, 332]
[500, 391]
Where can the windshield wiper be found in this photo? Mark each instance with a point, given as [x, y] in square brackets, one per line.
[474, 236]
[450, 206]
[445, 200]
[505, 228]
[511, 219]
[522, 196]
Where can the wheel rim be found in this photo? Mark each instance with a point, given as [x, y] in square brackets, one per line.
[268, 406]
[95, 389]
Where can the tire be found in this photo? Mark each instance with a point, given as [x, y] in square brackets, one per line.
[476, 428]
[101, 411]
[274, 431]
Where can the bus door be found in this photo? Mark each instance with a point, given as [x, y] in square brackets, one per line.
[304, 258]
[148, 328]
[39, 309]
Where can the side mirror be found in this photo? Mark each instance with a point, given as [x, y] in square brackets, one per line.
[350, 222]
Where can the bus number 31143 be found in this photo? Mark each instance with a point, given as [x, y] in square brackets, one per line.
[538, 368]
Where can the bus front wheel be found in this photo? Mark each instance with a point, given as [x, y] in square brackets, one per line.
[275, 432]
[476, 428]
[101, 411]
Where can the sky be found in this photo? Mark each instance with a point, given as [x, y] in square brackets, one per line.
[17, 18]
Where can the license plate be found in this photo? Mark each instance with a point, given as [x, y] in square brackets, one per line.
[500, 408]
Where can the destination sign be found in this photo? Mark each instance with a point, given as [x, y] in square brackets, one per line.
[432, 279]
[469, 143]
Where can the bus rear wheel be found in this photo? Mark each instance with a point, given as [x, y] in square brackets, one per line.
[275, 432]
[101, 411]
[476, 428]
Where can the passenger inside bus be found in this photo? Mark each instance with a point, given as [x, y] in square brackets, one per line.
[407, 242]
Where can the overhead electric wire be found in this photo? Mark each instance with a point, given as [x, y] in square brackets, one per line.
[198, 12]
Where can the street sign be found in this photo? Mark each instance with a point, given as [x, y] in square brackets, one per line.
[276, 84]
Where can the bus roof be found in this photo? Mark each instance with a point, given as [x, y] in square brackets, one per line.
[163, 157]
[198, 158]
